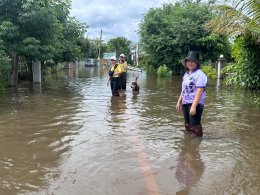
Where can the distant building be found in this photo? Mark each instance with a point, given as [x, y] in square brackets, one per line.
[90, 62]
[107, 57]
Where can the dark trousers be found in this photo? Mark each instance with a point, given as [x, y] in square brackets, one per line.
[192, 120]
[123, 81]
[114, 85]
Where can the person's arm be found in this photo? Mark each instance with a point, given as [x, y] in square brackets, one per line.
[125, 66]
[198, 95]
[179, 103]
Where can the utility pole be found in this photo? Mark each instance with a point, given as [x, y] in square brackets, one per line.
[137, 55]
[99, 50]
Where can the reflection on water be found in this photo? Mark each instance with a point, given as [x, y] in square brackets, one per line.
[189, 164]
[37, 88]
[116, 113]
[69, 136]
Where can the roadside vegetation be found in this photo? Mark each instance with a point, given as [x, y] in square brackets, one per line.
[43, 30]
[233, 30]
[163, 71]
[169, 32]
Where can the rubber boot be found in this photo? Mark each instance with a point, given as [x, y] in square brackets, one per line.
[187, 127]
[197, 130]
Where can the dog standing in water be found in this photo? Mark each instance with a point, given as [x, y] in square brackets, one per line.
[135, 87]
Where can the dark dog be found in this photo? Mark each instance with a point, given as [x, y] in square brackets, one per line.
[135, 87]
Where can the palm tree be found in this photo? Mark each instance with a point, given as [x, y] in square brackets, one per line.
[241, 17]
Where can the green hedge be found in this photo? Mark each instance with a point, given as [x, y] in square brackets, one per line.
[163, 71]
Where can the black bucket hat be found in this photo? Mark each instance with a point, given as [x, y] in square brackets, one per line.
[193, 56]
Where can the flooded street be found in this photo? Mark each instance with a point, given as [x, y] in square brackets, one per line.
[70, 137]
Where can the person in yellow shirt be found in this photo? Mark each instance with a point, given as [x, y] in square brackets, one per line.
[114, 74]
[123, 65]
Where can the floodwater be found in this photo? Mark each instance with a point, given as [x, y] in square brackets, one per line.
[70, 137]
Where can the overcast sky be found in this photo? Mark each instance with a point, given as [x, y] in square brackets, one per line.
[116, 18]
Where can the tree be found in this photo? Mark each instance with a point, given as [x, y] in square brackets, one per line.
[71, 50]
[84, 44]
[38, 30]
[174, 29]
[120, 45]
[241, 18]
[242, 22]
[4, 66]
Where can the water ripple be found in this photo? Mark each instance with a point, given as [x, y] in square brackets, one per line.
[72, 137]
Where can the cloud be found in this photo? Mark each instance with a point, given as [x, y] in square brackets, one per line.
[115, 18]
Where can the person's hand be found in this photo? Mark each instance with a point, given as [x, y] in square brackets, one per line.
[178, 106]
[192, 111]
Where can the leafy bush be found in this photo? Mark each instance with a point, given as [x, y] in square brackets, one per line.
[230, 73]
[209, 71]
[146, 63]
[245, 72]
[163, 71]
[5, 66]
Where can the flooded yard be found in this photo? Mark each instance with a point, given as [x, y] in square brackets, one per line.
[69, 136]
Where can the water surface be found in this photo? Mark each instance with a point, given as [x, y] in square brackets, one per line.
[69, 136]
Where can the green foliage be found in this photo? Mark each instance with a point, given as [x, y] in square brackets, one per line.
[169, 32]
[120, 45]
[84, 44]
[4, 68]
[209, 71]
[8, 30]
[237, 18]
[31, 47]
[242, 21]
[73, 30]
[230, 73]
[93, 50]
[146, 62]
[163, 71]
[40, 30]
[245, 71]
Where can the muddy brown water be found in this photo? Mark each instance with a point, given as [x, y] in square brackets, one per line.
[69, 136]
